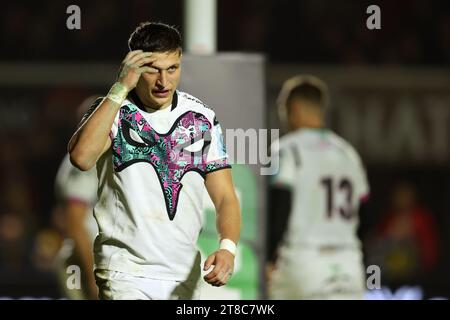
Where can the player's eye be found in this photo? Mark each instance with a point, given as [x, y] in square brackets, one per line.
[172, 69]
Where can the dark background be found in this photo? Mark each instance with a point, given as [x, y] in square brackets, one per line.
[37, 121]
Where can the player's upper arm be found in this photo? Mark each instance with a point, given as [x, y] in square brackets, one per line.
[219, 185]
[90, 111]
[105, 148]
[73, 140]
[112, 133]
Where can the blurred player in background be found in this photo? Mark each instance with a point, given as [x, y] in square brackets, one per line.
[76, 193]
[314, 251]
[156, 149]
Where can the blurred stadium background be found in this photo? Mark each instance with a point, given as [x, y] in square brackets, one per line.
[390, 97]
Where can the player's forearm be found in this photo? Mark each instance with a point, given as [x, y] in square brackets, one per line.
[229, 219]
[84, 249]
[83, 246]
[88, 143]
[76, 230]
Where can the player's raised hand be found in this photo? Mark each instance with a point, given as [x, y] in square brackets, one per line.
[223, 261]
[133, 66]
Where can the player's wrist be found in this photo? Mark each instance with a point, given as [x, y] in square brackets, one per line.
[229, 245]
[118, 93]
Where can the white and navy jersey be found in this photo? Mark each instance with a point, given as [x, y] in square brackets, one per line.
[327, 181]
[74, 185]
[151, 188]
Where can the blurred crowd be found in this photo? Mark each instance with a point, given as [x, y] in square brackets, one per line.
[307, 31]
[32, 149]
[405, 242]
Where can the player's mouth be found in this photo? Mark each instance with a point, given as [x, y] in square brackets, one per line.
[161, 93]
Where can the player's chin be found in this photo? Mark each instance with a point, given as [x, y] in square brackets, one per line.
[160, 101]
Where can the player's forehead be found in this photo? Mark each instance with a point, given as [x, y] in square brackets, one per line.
[166, 59]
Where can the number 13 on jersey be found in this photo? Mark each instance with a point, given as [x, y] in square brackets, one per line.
[338, 196]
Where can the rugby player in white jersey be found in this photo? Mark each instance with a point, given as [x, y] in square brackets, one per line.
[156, 149]
[76, 195]
[314, 202]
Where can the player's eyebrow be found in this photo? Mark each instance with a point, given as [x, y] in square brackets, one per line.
[175, 65]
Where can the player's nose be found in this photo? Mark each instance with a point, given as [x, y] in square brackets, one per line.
[162, 80]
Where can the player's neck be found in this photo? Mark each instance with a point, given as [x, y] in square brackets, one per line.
[143, 106]
[313, 127]
[310, 124]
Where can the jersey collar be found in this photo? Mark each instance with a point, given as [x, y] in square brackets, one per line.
[137, 101]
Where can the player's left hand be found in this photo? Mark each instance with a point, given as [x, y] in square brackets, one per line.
[223, 262]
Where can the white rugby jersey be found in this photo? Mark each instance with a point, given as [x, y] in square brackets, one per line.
[72, 184]
[151, 188]
[327, 180]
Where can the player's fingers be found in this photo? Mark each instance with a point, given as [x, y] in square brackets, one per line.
[217, 284]
[216, 281]
[144, 60]
[223, 277]
[131, 54]
[139, 56]
[209, 262]
[220, 280]
[146, 69]
[211, 277]
[216, 274]
[227, 275]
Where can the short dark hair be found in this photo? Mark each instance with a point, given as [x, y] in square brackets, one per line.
[155, 37]
[309, 92]
[302, 87]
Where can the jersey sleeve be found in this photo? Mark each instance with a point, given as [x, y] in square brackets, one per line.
[115, 126]
[82, 186]
[76, 185]
[217, 157]
[90, 111]
[92, 108]
[283, 159]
